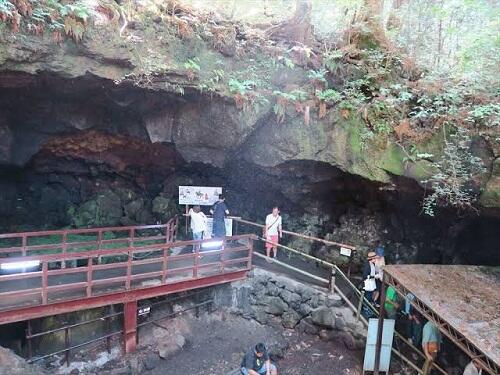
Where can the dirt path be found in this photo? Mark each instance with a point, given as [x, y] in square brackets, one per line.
[215, 345]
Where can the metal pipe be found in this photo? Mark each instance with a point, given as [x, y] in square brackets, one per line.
[293, 268]
[300, 235]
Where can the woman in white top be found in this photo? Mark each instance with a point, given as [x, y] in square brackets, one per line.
[198, 222]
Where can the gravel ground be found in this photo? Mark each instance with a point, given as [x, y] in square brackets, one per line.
[215, 345]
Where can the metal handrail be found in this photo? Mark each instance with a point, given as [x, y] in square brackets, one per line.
[338, 272]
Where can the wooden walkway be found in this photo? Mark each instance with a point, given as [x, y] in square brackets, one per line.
[107, 272]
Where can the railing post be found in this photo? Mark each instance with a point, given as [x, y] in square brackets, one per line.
[108, 329]
[89, 277]
[360, 305]
[223, 255]
[99, 245]
[28, 338]
[196, 260]
[66, 345]
[24, 243]
[130, 326]
[44, 282]
[129, 269]
[331, 284]
[131, 237]
[164, 267]
[64, 246]
[250, 253]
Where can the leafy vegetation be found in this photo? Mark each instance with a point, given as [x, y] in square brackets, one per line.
[55, 16]
[454, 183]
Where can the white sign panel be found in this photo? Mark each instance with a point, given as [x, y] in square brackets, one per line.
[210, 225]
[385, 350]
[199, 195]
[345, 251]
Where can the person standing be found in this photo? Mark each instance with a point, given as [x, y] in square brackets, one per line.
[391, 303]
[431, 344]
[198, 222]
[369, 277]
[273, 231]
[219, 211]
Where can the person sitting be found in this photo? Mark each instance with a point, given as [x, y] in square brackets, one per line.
[257, 362]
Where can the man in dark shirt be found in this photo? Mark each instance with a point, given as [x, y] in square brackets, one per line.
[219, 211]
[257, 362]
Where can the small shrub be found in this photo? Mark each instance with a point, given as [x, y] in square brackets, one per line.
[452, 184]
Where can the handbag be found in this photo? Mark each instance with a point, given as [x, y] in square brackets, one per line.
[370, 285]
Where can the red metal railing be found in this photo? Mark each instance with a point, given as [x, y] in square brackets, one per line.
[76, 240]
[122, 269]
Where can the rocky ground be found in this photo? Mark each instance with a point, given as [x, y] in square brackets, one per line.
[214, 345]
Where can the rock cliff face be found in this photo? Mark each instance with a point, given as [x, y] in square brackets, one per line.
[102, 132]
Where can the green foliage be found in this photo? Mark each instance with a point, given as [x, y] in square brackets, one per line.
[193, 64]
[287, 62]
[329, 96]
[57, 16]
[453, 183]
[317, 75]
[485, 114]
[331, 59]
[382, 127]
[211, 83]
[292, 96]
[241, 87]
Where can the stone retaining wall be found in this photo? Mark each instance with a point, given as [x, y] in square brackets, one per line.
[268, 297]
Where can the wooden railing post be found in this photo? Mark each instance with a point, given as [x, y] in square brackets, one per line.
[196, 260]
[129, 269]
[164, 266]
[331, 284]
[89, 277]
[130, 326]
[64, 247]
[223, 255]
[28, 338]
[24, 243]
[99, 245]
[44, 282]
[66, 345]
[250, 253]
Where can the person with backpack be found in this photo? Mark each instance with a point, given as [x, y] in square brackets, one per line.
[219, 211]
[273, 231]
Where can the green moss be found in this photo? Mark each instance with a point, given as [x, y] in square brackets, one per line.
[391, 160]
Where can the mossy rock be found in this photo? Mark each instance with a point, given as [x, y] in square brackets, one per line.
[491, 194]
[104, 209]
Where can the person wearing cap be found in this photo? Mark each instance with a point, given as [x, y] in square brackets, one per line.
[257, 362]
[370, 273]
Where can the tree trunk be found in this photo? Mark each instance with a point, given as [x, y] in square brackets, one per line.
[298, 28]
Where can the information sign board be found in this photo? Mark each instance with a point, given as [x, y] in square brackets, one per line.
[199, 195]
